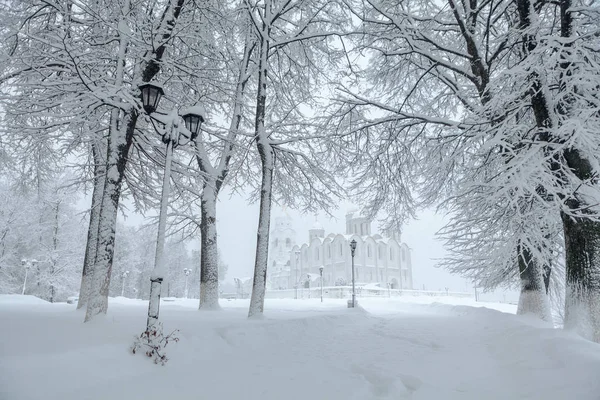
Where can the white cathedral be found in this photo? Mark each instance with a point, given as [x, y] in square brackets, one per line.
[378, 259]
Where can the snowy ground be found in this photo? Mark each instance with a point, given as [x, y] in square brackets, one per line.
[407, 348]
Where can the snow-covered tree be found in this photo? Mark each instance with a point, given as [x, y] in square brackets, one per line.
[214, 157]
[422, 131]
[295, 45]
[73, 70]
[46, 230]
[464, 113]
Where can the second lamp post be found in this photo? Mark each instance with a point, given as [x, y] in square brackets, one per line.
[321, 273]
[187, 273]
[171, 133]
[297, 254]
[352, 250]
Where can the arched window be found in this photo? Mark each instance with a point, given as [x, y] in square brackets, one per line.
[341, 250]
[369, 250]
[276, 242]
[391, 253]
[379, 252]
[328, 251]
[274, 263]
[403, 255]
[317, 253]
[288, 242]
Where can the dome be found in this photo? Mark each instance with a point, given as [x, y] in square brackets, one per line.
[317, 226]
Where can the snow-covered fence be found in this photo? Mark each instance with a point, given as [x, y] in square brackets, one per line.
[345, 292]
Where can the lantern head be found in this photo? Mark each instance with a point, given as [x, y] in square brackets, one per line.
[193, 118]
[151, 95]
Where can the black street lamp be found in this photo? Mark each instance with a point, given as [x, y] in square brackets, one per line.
[192, 117]
[171, 133]
[151, 95]
[352, 250]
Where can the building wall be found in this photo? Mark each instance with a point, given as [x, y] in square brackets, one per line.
[377, 259]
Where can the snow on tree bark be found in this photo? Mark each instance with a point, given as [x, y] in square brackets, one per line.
[533, 298]
[582, 298]
[582, 235]
[209, 260]
[91, 247]
[581, 232]
[257, 300]
[214, 180]
[117, 158]
[120, 139]
[267, 159]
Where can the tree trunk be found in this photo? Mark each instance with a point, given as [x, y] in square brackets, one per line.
[533, 298]
[117, 152]
[267, 159]
[92, 237]
[257, 301]
[121, 132]
[582, 235]
[209, 260]
[54, 256]
[582, 297]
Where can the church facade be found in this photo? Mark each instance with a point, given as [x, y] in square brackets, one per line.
[378, 259]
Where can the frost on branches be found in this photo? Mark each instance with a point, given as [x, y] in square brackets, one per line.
[153, 343]
[489, 111]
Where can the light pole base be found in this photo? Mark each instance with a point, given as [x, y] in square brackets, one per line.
[352, 304]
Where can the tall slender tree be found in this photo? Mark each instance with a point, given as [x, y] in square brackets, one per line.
[291, 35]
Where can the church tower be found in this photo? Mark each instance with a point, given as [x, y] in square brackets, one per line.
[316, 231]
[357, 224]
[283, 238]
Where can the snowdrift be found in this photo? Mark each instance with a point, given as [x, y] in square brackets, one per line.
[389, 349]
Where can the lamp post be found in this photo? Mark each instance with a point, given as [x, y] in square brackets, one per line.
[123, 276]
[301, 286]
[27, 264]
[297, 254]
[321, 273]
[352, 250]
[171, 134]
[187, 273]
